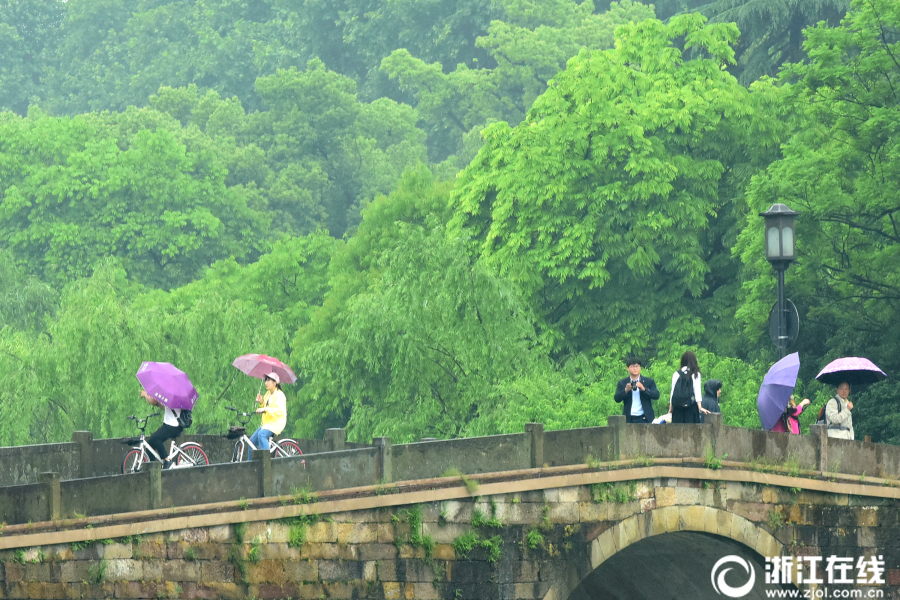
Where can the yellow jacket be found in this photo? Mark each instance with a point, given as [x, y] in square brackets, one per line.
[274, 416]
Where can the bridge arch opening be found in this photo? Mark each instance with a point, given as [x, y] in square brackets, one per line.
[672, 566]
[670, 553]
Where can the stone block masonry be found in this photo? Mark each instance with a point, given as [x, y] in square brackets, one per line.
[521, 540]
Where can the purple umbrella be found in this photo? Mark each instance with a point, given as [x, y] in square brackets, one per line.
[167, 384]
[776, 390]
[851, 369]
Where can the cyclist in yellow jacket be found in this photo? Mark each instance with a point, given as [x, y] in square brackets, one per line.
[273, 408]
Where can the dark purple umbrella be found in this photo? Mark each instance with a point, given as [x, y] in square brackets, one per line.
[776, 390]
[851, 369]
[169, 385]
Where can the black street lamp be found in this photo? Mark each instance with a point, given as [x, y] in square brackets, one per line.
[780, 251]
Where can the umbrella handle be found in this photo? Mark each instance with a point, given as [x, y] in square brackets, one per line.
[216, 401]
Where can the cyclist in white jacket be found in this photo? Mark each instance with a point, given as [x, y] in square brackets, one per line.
[169, 430]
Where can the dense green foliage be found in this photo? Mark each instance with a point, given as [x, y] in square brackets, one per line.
[449, 218]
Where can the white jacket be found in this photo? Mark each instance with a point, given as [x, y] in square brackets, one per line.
[839, 422]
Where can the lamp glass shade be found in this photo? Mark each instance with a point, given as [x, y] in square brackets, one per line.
[773, 249]
[787, 242]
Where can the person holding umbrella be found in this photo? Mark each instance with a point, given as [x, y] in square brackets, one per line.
[167, 387]
[837, 413]
[843, 372]
[789, 421]
[273, 408]
[169, 430]
[776, 391]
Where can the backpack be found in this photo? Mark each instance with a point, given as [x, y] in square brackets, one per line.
[185, 419]
[820, 419]
[683, 390]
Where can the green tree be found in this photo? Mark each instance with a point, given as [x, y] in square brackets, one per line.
[323, 143]
[840, 170]
[598, 202]
[771, 30]
[113, 54]
[25, 301]
[353, 36]
[72, 195]
[79, 373]
[29, 32]
[527, 50]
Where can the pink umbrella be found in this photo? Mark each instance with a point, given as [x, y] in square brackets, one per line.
[260, 365]
[851, 369]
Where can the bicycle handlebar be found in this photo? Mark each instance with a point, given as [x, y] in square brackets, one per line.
[247, 416]
[143, 421]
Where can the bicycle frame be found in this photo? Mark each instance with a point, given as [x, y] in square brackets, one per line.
[274, 446]
[148, 452]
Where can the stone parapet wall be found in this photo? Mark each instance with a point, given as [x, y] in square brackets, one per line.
[86, 457]
[343, 466]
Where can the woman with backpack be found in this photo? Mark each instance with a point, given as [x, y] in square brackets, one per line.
[837, 415]
[169, 430]
[686, 394]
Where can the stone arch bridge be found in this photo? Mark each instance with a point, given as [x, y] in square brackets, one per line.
[617, 512]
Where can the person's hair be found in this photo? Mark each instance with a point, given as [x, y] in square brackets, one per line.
[689, 360]
[791, 409]
[633, 360]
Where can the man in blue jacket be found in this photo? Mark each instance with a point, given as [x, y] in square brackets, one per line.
[636, 393]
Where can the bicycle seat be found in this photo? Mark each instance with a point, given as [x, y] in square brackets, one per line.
[131, 441]
[235, 432]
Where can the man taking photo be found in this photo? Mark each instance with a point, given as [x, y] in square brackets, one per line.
[636, 393]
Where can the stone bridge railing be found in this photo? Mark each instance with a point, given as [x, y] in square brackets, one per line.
[66, 494]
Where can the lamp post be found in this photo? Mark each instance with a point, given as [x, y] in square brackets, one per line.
[780, 252]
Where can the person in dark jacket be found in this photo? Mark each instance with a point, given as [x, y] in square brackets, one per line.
[710, 401]
[636, 393]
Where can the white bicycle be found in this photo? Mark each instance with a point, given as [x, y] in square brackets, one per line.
[188, 454]
[280, 449]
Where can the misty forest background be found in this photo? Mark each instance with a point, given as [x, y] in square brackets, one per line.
[449, 217]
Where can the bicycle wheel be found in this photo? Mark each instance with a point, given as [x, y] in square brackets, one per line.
[132, 462]
[194, 452]
[238, 454]
[287, 448]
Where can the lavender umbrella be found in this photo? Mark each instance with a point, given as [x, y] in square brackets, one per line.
[169, 385]
[851, 369]
[776, 390]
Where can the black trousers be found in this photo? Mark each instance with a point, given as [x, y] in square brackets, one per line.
[158, 439]
[633, 419]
